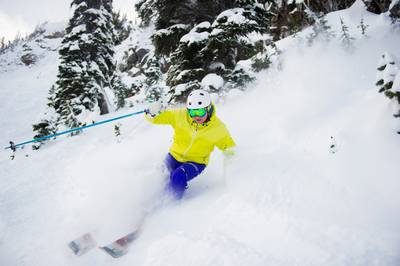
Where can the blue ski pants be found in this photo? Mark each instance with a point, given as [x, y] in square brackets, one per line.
[180, 174]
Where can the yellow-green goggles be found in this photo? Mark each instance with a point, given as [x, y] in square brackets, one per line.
[197, 112]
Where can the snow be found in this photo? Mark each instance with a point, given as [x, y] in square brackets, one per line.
[74, 46]
[396, 83]
[233, 15]
[393, 3]
[213, 80]
[193, 37]
[40, 46]
[217, 65]
[182, 74]
[180, 88]
[216, 31]
[171, 29]
[78, 29]
[202, 25]
[284, 199]
[386, 58]
[390, 71]
[237, 18]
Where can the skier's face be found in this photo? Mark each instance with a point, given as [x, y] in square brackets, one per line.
[200, 119]
[198, 115]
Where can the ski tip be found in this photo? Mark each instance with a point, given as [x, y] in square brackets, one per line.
[82, 244]
[120, 247]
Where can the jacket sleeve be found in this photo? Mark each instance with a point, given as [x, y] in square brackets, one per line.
[165, 118]
[226, 142]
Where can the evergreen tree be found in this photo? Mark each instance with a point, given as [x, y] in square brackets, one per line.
[377, 6]
[216, 48]
[388, 77]
[121, 91]
[122, 27]
[86, 70]
[153, 87]
[321, 29]
[117, 129]
[395, 11]
[173, 19]
[289, 17]
[347, 40]
[2, 44]
[167, 40]
[326, 6]
[171, 12]
[146, 10]
[363, 27]
[47, 125]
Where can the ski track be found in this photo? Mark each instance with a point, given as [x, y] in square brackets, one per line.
[285, 199]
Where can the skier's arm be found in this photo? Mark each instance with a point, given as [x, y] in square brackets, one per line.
[226, 144]
[164, 118]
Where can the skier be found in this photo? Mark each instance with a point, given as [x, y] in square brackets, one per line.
[197, 130]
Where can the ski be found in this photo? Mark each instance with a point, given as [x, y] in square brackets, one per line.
[120, 246]
[116, 249]
[82, 244]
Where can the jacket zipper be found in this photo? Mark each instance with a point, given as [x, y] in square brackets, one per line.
[191, 142]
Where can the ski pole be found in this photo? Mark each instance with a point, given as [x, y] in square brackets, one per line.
[14, 146]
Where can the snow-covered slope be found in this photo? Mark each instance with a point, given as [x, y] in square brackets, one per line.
[24, 88]
[286, 198]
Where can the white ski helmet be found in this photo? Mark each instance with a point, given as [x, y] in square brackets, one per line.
[198, 99]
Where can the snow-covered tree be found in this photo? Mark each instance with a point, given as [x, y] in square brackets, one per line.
[388, 80]
[326, 6]
[383, 6]
[146, 11]
[122, 27]
[173, 19]
[394, 10]
[388, 77]
[321, 29]
[289, 17]
[85, 74]
[47, 125]
[87, 58]
[217, 48]
[363, 27]
[2, 44]
[121, 90]
[346, 39]
[377, 6]
[167, 40]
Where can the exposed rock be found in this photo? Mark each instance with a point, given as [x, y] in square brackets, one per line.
[132, 59]
[55, 35]
[29, 59]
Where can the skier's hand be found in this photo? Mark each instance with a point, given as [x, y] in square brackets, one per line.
[228, 158]
[229, 154]
[155, 108]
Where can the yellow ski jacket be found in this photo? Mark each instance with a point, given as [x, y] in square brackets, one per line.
[194, 142]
